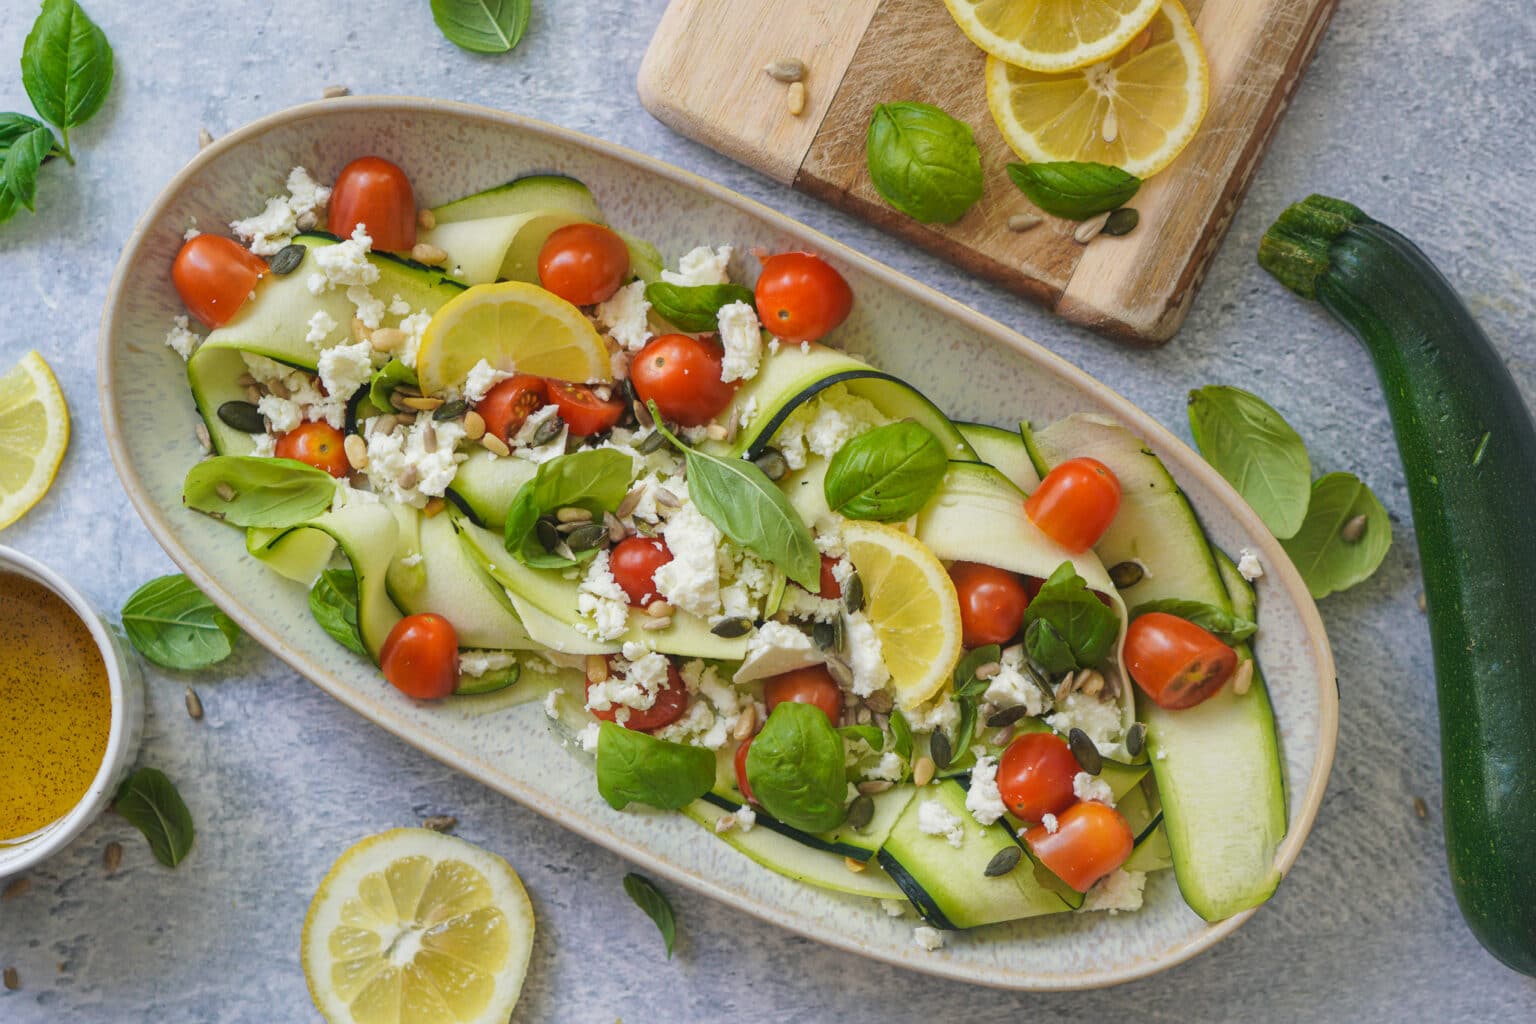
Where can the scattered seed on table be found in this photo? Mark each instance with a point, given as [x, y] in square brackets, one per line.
[332, 92]
[1021, 222]
[1089, 229]
[1420, 808]
[797, 98]
[440, 823]
[194, 705]
[1121, 222]
[785, 69]
[1352, 530]
[112, 857]
[16, 889]
[204, 138]
[12, 979]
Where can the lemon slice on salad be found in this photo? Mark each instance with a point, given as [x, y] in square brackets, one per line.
[511, 325]
[1051, 35]
[1136, 111]
[911, 605]
[34, 431]
[412, 925]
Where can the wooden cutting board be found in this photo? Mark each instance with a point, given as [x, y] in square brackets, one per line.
[703, 76]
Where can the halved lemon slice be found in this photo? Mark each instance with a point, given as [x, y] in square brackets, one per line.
[1136, 110]
[1052, 35]
[414, 926]
[34, 432]
[513, 326]
[912, 606]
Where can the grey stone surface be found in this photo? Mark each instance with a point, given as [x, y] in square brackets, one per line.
[1423, 114]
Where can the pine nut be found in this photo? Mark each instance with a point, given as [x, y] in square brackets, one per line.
[988, 670]
[746, 723]
[474, 425]
[1242, 679]
[1091, 682]
[922, 771]
[434, 508]
[431, 255]
[387, 339]
[360, 330]
[597, 668]
[657, 609]
[357, 451]
[715, 432]
[426, 219]
[572, 514]
[495, 445]
[422, 403]
[796, 98]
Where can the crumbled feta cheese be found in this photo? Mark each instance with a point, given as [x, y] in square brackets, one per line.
[1249, 566]
[943, 713]
[412, 560]
[829, 537]
[799, 603]
[588, 737]
[701, 266]
[345, 368]
[601, 602]
[746, 817]
[1099, 718]
[864, 655]
[414, 327]
[479, 663]
[626, 686]
[320, 327]
[742, 338]
[1011, 687]
[1091, 787]
[824, 424]
[626, 315]
[934, 819]
[1050, 823]
[269, 230]
[891, 768]
[343, 265]
[522, 441]
[369, 309]
[712, 709]
[748, 412]
[927, 938]
[398, 306]
[984, 800]
[894, 908]
[306, 197]
[1119, 890]
[691, 581]
[266, 446]
[482, 377]
[182, 339]
[777, 648]
[282, 414]
[552, 703]
[400, 465]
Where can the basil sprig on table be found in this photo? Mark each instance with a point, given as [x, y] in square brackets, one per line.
[1073, 189]
[923, 162]
[695, 308]
[636, 767]
[172, 623]
[886, 473]
[656, 906]
[152, 805]
[333, 603]
[796, 768]
[483, 26]
[1066, 626]
[250, 490]
[1257, 451]
[1230, 628]
[1323, 551]
[595, 479]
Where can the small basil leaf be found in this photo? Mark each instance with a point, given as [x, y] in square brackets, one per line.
[901, 735]
[385, 379]
[1072, 189]
[965, 731]
[66, 65]
[1325, 559]
[264, 492]
[923, 162]
[656, 906]
[966, 683]
[8, 203]
[151, 804]
[1256, 450]
[172, 623]
[595, 479]
[482, 26]
[695, 308]
[13, 126]
[1047, 648]
[795, 767]
[333, 603]
[636, 767]
[870, 734]
[1086, 625]
[886, 474]
[1232, 629]
[22, 160]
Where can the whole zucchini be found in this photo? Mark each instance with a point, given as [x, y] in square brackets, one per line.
[1469, 454]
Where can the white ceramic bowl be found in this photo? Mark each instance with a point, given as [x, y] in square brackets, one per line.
[126, 688]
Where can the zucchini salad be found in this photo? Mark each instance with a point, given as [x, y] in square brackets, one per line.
[981, 674]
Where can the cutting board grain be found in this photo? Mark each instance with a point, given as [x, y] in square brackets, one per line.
[702, 75]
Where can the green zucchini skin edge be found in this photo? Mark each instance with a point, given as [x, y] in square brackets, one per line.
[1468, 446]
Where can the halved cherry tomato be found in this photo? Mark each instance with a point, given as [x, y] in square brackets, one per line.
[741, 771]
[315, 444]
[420, 657]
[507, 406]
[214, 276]
[830, 588]
[1175, 662]
[681, 374]
[633, 562]
[800, 297]
[1090, 841]
[813, 685]
[375, 193]
[1075, 503]
[1035, 775]
[582, 410]
[671, 702]
[992, 603]
[583, 263]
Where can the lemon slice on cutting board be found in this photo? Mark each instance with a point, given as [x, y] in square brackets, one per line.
[1052, 35]
[911, 604]
[34, 432]
[1136, 111]
[414, 926]
[511, 325]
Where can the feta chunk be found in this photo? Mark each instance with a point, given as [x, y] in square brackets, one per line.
[522, 441]
[864, 655]
[266, 446]
[345, 368]
[891, 768]
[774, 649]
[712, 709]
[1050, 823]
[482, 377]
[601, 602]
[984, 800]
[282, 414]
[894, 908]
[927, 938]
[306, 197]
[1091, 787]
[1249, 566]
[1100, 719]
[1119, 890]
[824, 424]
[934, 819]
[320, 327]
[478, 663]
[691, 581]
[552, 704]
[369, 309]
[701, 266]
[343, 265]
[1011, 687]
[626, 315]
[182, 339]
[270, 230]
[400, 465]
[414, 327]
[587, 738]
[742, 338]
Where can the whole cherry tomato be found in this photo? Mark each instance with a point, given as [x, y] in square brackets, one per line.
[633, 562]
[507, 406]
[582, 410]
[812, 685]
[1175, 662]
[420, 657]
[1075, 503]
[671, 702]
[800, 297]
[315, 444]
[681, 374]
[214, 276]
[830, 588]
[741, 771]
[1090, 841]
[375, 193]
[583, 263]
[992, 603]
[1035, 775]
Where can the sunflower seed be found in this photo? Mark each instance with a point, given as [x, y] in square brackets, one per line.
[922, 771]
[655, 625]
[616, 531]
[1000, 737]
[597, 668]
[630, 503]
[572, 514]
[586, 536]
[112, 857]
[1007, 716]
[287, 259]
[548, 431]
[332, 92]
[651, 442]
[243, 416]
[771, 462]
[1090, 682]
[1126, 575]
[666, 499]
[853, 593]
[1089, 229]
[440, 823]
[841, 674]
[1088, 756]
[194, 705]
[544, 530]
[204, 138]
[1136, 739]
[1242, 679]
[428, 437]
[408, 478]
[939, 749]
[879, 702]
[785, 69]
[730, 629]
[16, 889]
[225, 492]
[860, 812]
[408, 390]
[1024, 222]
[1064, 687]
[643, 415]
[1352, 530]
[1003, 861]
[1121, 222]
[451, 410]
[874, 786]
[203, 440]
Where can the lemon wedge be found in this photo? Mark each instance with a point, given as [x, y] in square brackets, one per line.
[513, 326]
[34, 432]
[1136, 111]
[911, 605]
[414, 926]
[1052, 35]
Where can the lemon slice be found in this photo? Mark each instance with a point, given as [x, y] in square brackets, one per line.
[513, 326]
[1135, 111]
[34, 431]
[912, 606]
[414, 926]
[1052, 35]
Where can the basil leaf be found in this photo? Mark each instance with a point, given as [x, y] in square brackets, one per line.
[172, 623]
[1072, 189]
[8, 203]
[796, 770]
[870, 734]
[151, 804]
[923, 162]
[22, 160]
[746, 506]
[66, 66]
[1325, 559]
[385, 379]
[886, 474]
[966, 683]
[1083, 623]
[635, 767]
[267, 492]
[1047, 648]
[1232, 629]
[333, 603]
[656, 906]
[13, 126]
[1250, 444]
[595, 479]
[482, 26]
[965, 731]
[901, 735]
[695, 308]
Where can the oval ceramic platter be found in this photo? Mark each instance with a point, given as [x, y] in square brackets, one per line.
[972, 367]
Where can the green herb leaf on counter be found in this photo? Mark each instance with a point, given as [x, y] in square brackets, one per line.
[333, 603]
[923, 162]
[1084, 624]
[695, 308]
[66, 66]
[656, 906]
[796, 768]
[886, 474]
[1232, 629]
[636, 767]
[1256, 450]
[13, 126]
[172, 623]
[151, 804]
[483, 26]
[250, 490]
[22, 161]
[595, 479]
[1322, 549]
[1073, 189]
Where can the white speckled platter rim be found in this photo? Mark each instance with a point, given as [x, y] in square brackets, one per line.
[149, 426]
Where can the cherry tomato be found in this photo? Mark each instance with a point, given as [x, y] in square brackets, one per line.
[800, 297]
[813, 685]
[583, 263]
[1090, 841]
[507, 406]
[420, 657]
[375, 193]
[671, 702]
[633, 562]
[582, 410]
[741, 771]
[1075, 503]
[992, 603]
[681, 374]
[1035, 775]
[214, 276]
[830, 588]
[1175, 662]
[315, 444]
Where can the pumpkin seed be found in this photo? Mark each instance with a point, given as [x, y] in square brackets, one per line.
[440, 823]
[112, 857]
[1352, 530]
[244, 417]
[451, 410]
[1088, 756]
[853, 593]
[651, 442]
[548, 431]
[1136, 739]
[1003, 861]
[785, 69]
[194, 705]
[1007, 716]
[586, 536]
[1122, 222]
[545, 530]
[1127, 575]
[287, 259]
[829, 636]
[730, 629]
[771, 462]
[939, 749]
[861, 812]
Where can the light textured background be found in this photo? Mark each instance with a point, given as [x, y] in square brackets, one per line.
[1422, 114]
